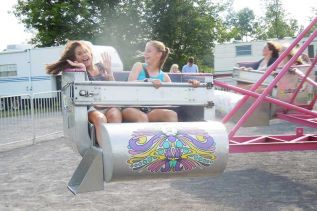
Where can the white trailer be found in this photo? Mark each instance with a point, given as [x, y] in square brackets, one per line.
[227, 55]
[22, 70]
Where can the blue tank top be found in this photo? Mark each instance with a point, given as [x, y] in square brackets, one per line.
[142, 75]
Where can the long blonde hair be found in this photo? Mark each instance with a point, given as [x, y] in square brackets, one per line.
[160, 47]
[68, 54]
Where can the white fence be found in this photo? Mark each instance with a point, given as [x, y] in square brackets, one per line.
[26, 119]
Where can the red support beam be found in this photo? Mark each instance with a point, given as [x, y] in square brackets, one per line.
[270, 143]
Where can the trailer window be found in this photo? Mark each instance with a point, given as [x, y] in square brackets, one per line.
[8, 70]
[311, 51]
[243, 50]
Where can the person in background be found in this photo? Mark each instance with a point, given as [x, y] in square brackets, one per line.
[79, 54]
[270, 54]
[298, 61]
[190, 67]
[174, 69]
[155, 55]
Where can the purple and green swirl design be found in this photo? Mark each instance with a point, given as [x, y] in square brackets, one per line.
[159, 151]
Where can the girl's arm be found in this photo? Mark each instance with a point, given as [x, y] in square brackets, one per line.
[136, 69]
[167, 78]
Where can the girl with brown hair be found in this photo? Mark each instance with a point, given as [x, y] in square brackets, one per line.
[78, 54]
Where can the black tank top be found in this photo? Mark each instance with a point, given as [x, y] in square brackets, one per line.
[100, 76]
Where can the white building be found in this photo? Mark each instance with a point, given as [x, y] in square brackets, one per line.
[227, 55]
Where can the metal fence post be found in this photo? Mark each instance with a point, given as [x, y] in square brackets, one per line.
[32, 118]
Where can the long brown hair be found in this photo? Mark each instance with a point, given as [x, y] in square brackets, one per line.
[274, 47]
[160, 47]
[68, 54]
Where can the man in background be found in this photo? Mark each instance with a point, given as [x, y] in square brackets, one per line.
[190, 67]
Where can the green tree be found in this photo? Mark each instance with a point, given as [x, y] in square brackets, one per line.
[242, 24]
[190, 28]
[187, 27]
[276, 23]
[53, 22]
[106, 22]
[125, 30]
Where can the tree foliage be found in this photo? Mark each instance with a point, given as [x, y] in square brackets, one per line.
[188, 27]
[56, 21]
[276, 24]
[106, 22]
[243, 24]
[125, 29]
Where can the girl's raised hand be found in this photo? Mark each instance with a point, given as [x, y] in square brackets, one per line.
[106, 61]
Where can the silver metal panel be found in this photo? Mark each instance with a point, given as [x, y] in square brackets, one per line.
[250, 76]
[226, 101]
[261, 116]
[284, 91]
[139, 93]
[287, 86]
[149, 150]
[80, 130]
[209, 113]
[75, 118]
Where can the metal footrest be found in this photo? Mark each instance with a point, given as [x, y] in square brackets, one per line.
[89, 174]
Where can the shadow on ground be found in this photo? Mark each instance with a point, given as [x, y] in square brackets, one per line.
[251, 189]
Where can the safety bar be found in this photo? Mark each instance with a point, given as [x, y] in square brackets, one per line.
[141, 94]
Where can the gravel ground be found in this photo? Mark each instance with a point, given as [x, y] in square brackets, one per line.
[23, 128]
[35, 177]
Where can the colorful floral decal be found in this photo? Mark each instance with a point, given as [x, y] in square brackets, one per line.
[171, 150]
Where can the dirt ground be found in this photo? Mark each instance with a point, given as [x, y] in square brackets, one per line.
[35, 177]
